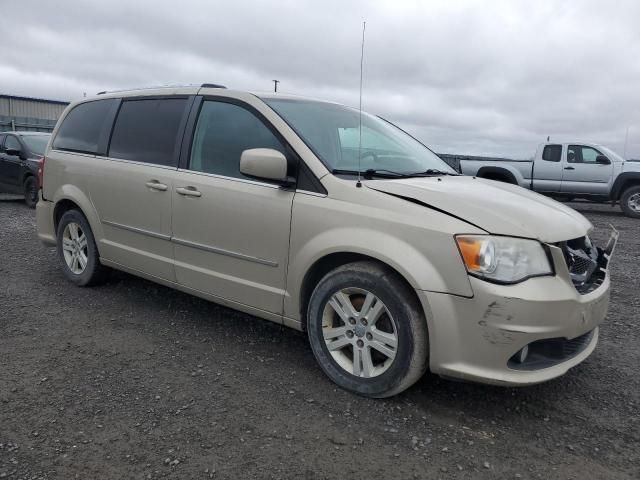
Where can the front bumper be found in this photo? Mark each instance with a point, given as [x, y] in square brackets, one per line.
[476, 338]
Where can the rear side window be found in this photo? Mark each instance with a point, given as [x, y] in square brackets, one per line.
[85, 127]
[552, 153]
[223, 132]
[148, 130]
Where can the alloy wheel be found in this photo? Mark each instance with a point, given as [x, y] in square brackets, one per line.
[359, 332]
[74, 248]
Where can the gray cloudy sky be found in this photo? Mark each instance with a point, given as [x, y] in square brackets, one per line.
[477, 77]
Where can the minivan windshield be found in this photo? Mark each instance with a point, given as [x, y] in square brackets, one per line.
[332, 132]
[36, 143]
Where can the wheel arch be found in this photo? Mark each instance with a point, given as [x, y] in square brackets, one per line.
[624, 181]
[331, 261]
[71, 197]
[499, 174]
[28, 174]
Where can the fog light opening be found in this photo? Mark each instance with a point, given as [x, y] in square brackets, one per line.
[522, 354]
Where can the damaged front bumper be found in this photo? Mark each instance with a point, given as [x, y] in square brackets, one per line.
[519, 334]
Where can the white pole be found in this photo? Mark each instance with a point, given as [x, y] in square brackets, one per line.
[626, 140]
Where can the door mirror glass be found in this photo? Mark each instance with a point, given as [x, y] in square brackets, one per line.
[264, 163]
[13, 152]
[603, 160]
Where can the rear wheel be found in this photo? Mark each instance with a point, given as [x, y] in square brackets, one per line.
[30, 189]
[367, 330]
[630, 201]
[78, 252]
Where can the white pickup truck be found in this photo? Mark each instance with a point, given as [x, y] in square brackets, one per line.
[567, 171]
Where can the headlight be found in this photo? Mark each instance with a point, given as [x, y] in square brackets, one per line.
[503, 259]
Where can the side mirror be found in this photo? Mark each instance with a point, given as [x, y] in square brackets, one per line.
[13, 152]
[601, 159]
[265, 164]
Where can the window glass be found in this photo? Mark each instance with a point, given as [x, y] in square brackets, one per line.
[2, 143]
[12, 143]
[82, 128]
[223, 132]
[552, 153]
[148, 130]
[581, 154]
[589, 155]
[36, 143]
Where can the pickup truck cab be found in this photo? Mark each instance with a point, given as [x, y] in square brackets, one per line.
[567, 171]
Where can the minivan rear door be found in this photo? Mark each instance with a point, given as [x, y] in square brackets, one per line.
[131, 187]
[230, 232]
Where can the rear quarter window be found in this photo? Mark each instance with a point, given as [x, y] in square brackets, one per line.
[86, 128]
[552, 153]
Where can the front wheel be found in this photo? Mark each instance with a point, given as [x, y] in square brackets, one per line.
[30, 188]
[367, 330]
[630, 202]
[77, 250]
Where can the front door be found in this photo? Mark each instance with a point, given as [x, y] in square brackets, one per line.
[582, 174]
[11, 165]
[230, 232]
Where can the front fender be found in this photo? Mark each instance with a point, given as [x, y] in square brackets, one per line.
[449, 275]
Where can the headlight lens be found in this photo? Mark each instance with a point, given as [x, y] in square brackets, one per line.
[503, 259]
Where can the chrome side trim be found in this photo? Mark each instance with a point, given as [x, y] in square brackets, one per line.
[161, 236]
[221, 251]
[234, 179]
[313, 194]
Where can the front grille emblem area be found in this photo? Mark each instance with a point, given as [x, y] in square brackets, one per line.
[581, 264]
[585, 262]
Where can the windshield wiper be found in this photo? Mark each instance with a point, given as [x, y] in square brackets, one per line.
[384, 173]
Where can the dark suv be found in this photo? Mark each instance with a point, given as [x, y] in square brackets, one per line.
[21, 155]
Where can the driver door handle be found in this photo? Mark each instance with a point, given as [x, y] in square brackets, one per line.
[156, 185]
[188, 191]
[569, 168]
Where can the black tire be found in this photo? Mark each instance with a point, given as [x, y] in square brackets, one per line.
[404, 310]
[630, 201]
[94, 272]
[30, 189]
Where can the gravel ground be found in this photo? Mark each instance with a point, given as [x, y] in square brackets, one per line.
[134, 380]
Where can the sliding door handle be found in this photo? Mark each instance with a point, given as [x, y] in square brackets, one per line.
[188, 191]
[156, 185]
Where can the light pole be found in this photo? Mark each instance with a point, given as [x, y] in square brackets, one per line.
[275, 85]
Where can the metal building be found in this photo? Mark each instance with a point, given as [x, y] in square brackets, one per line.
[31, 114]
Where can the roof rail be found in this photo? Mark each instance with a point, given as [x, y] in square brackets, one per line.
[204, 85]
[212, 85]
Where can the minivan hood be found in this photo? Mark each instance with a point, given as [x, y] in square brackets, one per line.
[495, 207]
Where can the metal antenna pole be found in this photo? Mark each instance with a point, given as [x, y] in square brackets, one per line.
[626, 140]
[359, 183]
[275, 85]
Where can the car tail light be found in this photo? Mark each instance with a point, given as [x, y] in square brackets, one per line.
[40, 172]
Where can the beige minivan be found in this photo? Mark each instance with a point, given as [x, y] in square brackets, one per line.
[342, 225]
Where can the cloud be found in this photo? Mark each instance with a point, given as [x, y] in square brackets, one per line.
[465, 77]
